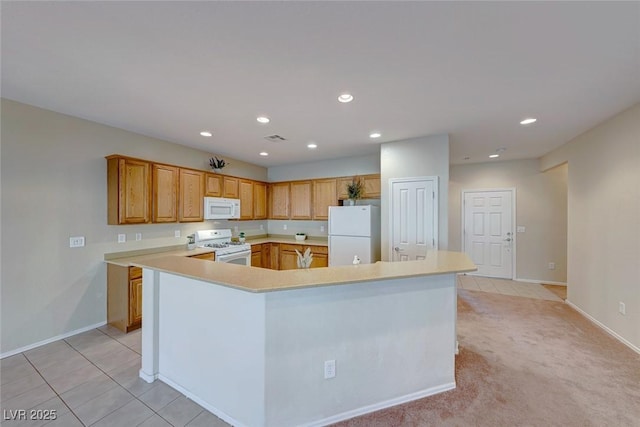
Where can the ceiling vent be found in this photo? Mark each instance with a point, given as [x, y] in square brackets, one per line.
[275, 138]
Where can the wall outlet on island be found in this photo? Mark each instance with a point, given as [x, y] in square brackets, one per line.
[329, 369]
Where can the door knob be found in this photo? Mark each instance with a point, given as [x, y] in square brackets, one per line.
[397, 249]
[508, 239]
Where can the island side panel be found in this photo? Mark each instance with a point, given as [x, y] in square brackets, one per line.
[393, 341]
[211, 347]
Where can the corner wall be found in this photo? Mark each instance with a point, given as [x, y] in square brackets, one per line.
[541, 206]
[604, 222]
[426, 156]
[54, 186]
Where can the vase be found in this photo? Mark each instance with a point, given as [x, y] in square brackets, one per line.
[216, 170]
[350, 202]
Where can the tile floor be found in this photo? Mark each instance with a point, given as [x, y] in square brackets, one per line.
[91, 379]
[506, 287]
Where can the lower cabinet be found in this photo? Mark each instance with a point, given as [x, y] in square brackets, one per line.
[288, 259]
[211, 256]
[256, 255]
[124, 297]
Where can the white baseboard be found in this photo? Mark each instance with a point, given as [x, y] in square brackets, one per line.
[50, 340]
[325, 421]
[540, 282]
[603, 326]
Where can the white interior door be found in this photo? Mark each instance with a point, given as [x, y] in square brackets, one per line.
[414, 217]
[488, 231]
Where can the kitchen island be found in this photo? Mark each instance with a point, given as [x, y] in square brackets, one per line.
[254, 346]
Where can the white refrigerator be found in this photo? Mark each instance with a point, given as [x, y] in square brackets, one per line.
[354, 231]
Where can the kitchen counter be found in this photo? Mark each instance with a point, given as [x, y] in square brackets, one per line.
[259, 341]
[264, 280]
[309, 241]
[129, 259]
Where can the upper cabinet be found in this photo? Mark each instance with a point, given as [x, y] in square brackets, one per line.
[213, 185]
[301, 199]
[371, 186]
[191, 200]
[230, 187]
[165, 193]
[259, 200]
[279, 193]
[128, 191]
[342, 184]
[324, 195]
[245, 188]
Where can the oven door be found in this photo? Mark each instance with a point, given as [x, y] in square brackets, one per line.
[240, 258]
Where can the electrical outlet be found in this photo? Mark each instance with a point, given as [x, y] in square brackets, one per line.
[552, 266]
[284, 226]
[235, 229]
[621, 308]
[138, 236]
[322, 228]
[76, 242]
[176, 233]
[261, 226]
[329, 369]
[122, 238]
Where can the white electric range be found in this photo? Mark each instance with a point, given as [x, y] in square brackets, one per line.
[225, 249]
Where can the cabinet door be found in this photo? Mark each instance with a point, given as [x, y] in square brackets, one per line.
[230, 187]
[279, 200]
[165, 193]
[324, 195]
[210, 256]
[371, 186]
[129, 191]
[301, 200]
[274, 256]
[288, 260]
[266, 255]
[213, 185]
[342, 187]
[319, 260]
[135, 301]
[191, 201]
[256, 259]
[259, 200]
[245, 188]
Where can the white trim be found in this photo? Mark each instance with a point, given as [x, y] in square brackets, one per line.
[50, 340]
[602, 325]
[541, 282]
[436, 208]
[215, 411]
[382, 405]
[514, 217]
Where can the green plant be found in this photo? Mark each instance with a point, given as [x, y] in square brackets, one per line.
[217, 163]
[354, 190]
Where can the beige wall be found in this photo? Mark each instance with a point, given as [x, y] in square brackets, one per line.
[53, 178]
[541, 207]
[426, 156]
[604, 222]
[345, 166]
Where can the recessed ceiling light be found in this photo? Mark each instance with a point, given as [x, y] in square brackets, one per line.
[206, 133]
[263, 119]
[528, 121]
[312, 146]
[375, 135]
[493, 156]
[345, 97]
[264, 153]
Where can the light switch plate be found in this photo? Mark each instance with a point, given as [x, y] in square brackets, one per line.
[521, 229]
[76, 242]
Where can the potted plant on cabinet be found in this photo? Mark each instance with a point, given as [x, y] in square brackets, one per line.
[354, 190]
[217, 164]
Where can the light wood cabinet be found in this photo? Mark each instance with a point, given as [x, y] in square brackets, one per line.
[301, 199]
[274, 256]
[124, 297]
[324, 195]
[210, 256]
[256, 255]
[266, 255]
[371, 186]
[213, 185]
[128, 191]
[342, 184]
[230, 187]
[165, 193]
[245, 188]
[279, 200]
[191, 199]
[259, 200]
[288, 258]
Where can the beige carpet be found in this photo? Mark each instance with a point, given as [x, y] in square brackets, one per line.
[527, 362]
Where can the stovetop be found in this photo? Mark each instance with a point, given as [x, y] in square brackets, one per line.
[220, 240]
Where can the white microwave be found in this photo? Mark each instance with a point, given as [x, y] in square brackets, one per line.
[219, 208]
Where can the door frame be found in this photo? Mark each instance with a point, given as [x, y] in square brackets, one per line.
[514, 226]
[436, 207]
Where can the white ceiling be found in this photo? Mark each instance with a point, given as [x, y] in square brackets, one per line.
[473, 70]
